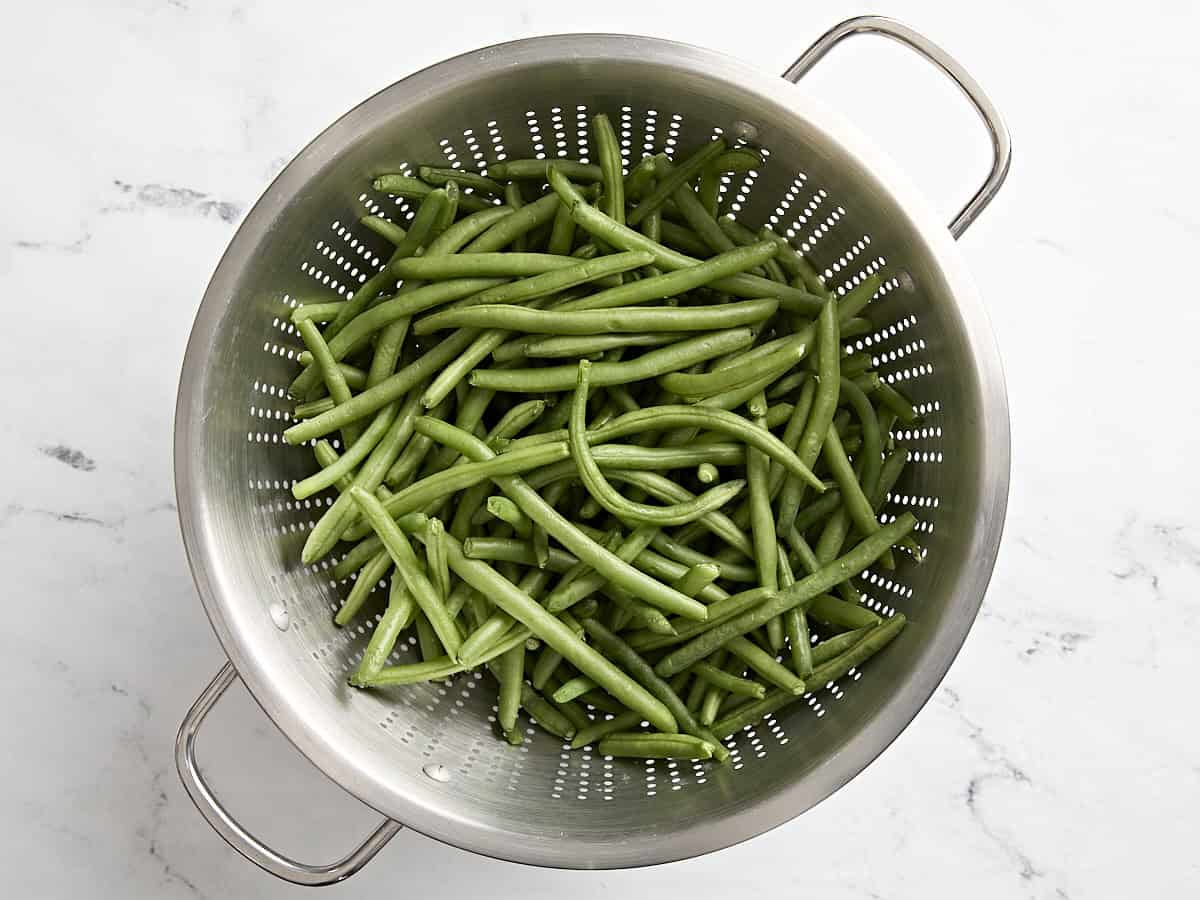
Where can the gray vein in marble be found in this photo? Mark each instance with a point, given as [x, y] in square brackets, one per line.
[76, 246]
[161, 196]
[76, 459]
[1000, 769]
[72, 517]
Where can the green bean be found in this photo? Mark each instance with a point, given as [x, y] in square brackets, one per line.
[516, 224]
[479, 265]
[897, 403]
[840, 614]
[823, 408]
[562, 232]
[435, 554]
[535, 170]
[416, 189]
[437, 176]
[608, 152]
[817, 511]
[837, 645]
[511, 668]
[795, 263]
[854, 500]
[597, 730]
[701, 221]
[649, 365]
[385, 228]
[682, 553]
[643, 745]
[577, 347]
[368, 578]
[383, 393]
[719, 678]
[318, 312]
[545, 714]
[874, 641]
[531, 503]
[576, 273]
[576, 687]
[697, 578]
[595, 222]
[334, 379]
[672, 284]
[798, 595]
[435, 669]
[506, 511]
[407, 565]
[641, 671]
[611, 499]
[554, 633]
[356, 378]
[681, 238]
[742, 236]
[399, 613]
[670, 179]
[765, 665]
[694, 387]
[584, 584]
[721, 611]
[513, 550]
[795, 623]
[349, 460]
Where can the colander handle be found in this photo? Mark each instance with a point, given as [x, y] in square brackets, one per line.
[997, 131]
[232, 831]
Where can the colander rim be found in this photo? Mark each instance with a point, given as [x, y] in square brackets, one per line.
[897, 710]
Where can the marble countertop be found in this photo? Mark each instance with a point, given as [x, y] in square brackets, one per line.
[1057, 760]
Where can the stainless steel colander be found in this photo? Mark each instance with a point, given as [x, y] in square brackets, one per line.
[425, 756]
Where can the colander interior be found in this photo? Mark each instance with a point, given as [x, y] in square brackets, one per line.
[539, 802]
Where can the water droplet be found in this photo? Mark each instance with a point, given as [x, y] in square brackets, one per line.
[437, 772]
[279, 615]
[744, 130]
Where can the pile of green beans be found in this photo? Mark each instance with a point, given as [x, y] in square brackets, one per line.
[637, 486]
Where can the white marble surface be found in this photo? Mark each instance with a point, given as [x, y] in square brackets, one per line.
[1058, 760]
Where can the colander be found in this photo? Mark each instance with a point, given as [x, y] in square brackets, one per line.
[425, 756]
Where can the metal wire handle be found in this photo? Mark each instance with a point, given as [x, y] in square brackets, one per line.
[232, 831]
[997, 131]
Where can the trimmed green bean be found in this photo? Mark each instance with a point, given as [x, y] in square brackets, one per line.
[765, 665]
[601, 321]
[820, 417]
[643, 745]
[385, 228]
[719, 678]
[649, 365]
[506, 511]
[368, 578]
[535, 170]
[598, 730]
[576, 347]
[409, 567]
[437, 175]
[479, 265]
